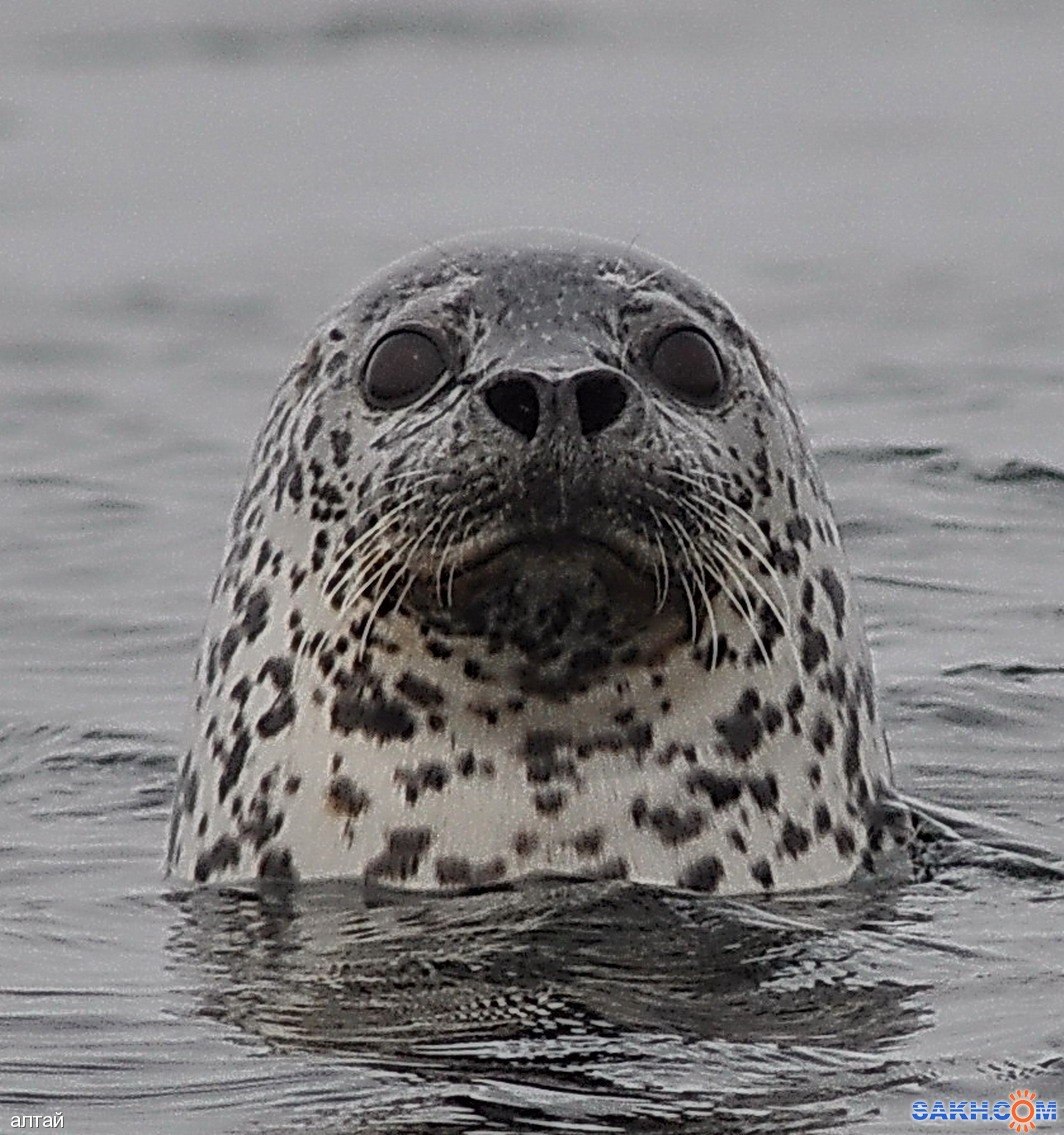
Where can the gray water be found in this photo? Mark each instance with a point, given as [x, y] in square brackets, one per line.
[184, 188]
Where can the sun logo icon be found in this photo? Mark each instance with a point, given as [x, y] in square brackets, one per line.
[1021, 1110]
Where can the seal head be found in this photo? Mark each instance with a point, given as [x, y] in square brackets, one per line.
[533, 573]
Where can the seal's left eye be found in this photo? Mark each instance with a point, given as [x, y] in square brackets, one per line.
[687, 363]
[401, 368]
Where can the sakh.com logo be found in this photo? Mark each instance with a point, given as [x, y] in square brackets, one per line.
[1022, 1111]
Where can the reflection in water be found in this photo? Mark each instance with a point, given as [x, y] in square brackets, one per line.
[593, 1007]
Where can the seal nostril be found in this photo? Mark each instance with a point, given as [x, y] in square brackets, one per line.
[600, 400]
[515, 402]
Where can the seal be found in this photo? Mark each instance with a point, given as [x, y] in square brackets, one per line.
[533, 574]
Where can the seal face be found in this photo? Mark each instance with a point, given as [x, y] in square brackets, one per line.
[533, 573]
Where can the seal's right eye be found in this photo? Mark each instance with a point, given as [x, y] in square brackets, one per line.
[401, 368]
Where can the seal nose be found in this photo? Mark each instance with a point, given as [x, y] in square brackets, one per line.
[592, 400]
[515, 402]
[601, 397]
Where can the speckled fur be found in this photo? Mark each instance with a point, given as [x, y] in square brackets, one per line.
[537, 731]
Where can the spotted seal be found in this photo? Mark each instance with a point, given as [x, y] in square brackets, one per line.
[533, 573]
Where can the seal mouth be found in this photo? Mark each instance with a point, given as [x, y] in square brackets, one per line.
[549, 544]
[560, 559]
[549, 591]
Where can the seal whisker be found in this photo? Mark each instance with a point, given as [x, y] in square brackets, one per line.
[369, 535]
[405, 570]
[706, 569]
[661, 566]
[389, 575]
[721, 498]
[442, 535]
[737, 566]
[454, 566]
[745, 610]
[409, 477]
[366, 583]
[682, 541]
[740, 543]
[709, 556]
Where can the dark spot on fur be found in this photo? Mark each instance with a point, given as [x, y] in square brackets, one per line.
[260, 825]
[772, 718]
[761, 872]
[258, 606]
[234, 765]
[278, 670]
[225, 853]
[313, 426]
[740, 734]
[799, 530]
[821, 819]
[380, 719]
[402, 857]
[456, 871]
[674, 828]
[427, 695]
[795, 838]
[822, 734]
[721, 790]
[765, 791]
[431, 775]
[836, 595]
[341, 446]
[191, 788]
[639, 811]
[281, 714]
[588, 843]
[808, 597]
[524, 843]
[640, 737]
[277, 866]
[550, 801]
[718, 656]
[346, 798]
[851, 747]
[814, 645]
[703, 875]
[541, 756]
[749, 701]
[228, 647]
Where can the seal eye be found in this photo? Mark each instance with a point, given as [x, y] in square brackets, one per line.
[687, 363]
[401, 367]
